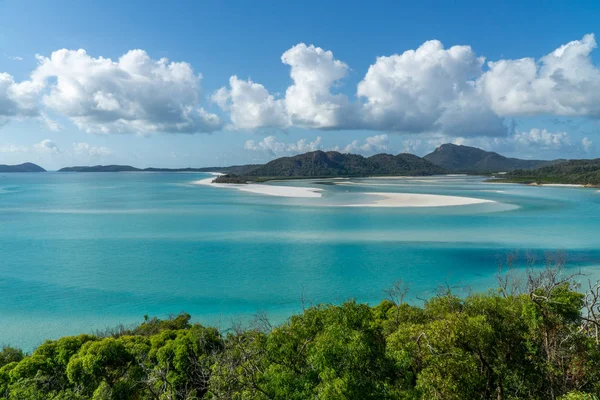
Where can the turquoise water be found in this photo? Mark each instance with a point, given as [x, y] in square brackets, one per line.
[80, 252]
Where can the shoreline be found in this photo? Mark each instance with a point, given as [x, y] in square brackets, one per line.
[419, 200]
[267, 190]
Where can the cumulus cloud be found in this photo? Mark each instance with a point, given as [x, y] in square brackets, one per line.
[12, 148]
[587, 144]
[134, 94]
[250, 105]
[430, 89]
[525, 143]
[309, 101]
[564, 82]
[372, 144]
[17, 99]
[46, 146]
[271, 146]
[433, 90]
[87, 150]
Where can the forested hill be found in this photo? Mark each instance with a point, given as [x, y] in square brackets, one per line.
[579, 172]
[25, 167]
[332, 163]
[458, 158]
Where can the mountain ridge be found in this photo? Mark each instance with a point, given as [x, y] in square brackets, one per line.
[460, 158]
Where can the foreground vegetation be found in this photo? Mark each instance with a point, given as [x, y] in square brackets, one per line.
[528, 339]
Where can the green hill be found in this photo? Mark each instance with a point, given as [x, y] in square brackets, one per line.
[25, 167]
[332, 163]
[578, 172]
[458, 158]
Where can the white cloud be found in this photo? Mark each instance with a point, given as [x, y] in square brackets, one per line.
[535, 143]
[430, 89]
[587, 144]
[372, 144]
[49, 123]
[564, 82]
[15, 58]
[87, 150]
[251, 106]
[11, 148]
[542, 139]
[17, 99]
[271, 146]
[309, 101]
[46, 146]
[134, 94]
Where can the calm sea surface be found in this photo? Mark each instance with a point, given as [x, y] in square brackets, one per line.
[81, 251]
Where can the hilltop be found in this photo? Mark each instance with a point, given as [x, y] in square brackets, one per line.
[459, 158]
[332, 163]
[25, 167]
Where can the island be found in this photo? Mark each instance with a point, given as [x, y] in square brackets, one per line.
[321, 164]
[446, 159]
[25, 167]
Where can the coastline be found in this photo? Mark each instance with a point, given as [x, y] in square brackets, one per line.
[418, 200]
[398, 200]
[268, 190]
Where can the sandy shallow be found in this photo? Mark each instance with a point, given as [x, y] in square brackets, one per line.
[268, 190]
[560, 185]
[418, 200]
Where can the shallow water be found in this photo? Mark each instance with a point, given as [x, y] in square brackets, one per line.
[80, 251]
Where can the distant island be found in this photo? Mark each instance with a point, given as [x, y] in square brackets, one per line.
[25, 167]
[129, 168]
[447, 158]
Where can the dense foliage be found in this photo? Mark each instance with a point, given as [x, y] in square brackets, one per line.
[231, 178]
[25, 167]
[581, 172]
[458, 158]
[332, 163]
[537, 343]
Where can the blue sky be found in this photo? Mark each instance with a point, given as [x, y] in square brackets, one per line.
[408, 103]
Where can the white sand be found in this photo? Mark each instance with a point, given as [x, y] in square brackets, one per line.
[560, 185]
[419, 200]
[268, 190]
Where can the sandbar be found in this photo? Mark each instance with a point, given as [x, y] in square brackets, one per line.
[268, 190]
[418, 200]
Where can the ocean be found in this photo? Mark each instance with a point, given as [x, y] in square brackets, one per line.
[87, 251]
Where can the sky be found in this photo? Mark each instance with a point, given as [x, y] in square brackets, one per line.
[213, 83]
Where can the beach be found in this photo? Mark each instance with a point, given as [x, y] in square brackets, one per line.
[268, 190]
